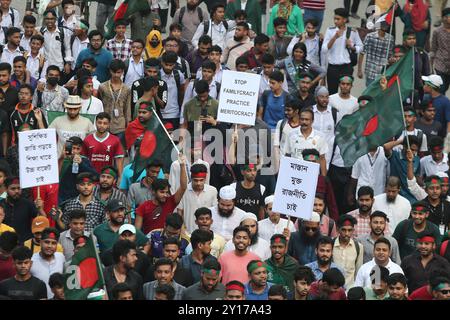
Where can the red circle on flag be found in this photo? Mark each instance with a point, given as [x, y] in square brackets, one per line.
[88, 273]
[371, 126]
[148, 144]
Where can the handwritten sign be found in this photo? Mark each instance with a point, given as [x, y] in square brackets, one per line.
[296, 187]
[238, 97]
[38, 160]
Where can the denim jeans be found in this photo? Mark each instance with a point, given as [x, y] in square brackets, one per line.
[314, 14]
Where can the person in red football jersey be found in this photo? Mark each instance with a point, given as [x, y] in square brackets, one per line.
[103, 148]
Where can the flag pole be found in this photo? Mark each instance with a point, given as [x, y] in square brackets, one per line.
[97, 257]
[165, 130]
[403, 116]
[389, 43]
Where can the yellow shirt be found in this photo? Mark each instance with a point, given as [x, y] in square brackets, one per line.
[37, 248]
[5, 227]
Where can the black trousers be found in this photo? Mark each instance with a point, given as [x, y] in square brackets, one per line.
[354, 8]
[340, 178]
[334, 72]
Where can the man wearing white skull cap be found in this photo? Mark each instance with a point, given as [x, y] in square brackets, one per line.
[274, 224]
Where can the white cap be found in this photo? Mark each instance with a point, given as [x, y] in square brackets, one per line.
[442, 174]
[434, 79]
[269, 199]
[96, 295]
[227, 193]
[127, 227]
[315, 217]
[249, 215]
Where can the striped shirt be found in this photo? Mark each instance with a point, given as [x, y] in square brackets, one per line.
[313, 4]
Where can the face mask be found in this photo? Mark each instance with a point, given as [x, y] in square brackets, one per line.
[154, 43]
[53, 81]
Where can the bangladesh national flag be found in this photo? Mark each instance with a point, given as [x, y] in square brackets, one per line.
[125, 10]
[52, 115]
[155, 144]
[84, 274]
[379, 120]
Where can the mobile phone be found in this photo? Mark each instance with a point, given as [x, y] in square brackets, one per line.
[68, 147]
[204, 112]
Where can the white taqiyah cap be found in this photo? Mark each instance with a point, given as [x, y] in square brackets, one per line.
[315, 217]
[227, 193]
[249, 215]
[269, 199]
[442, 174]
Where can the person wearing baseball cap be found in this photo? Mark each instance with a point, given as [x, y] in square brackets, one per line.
[226, 215]
[432, 85]
[39, 224]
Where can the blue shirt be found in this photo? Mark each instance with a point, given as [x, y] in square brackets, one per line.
[442, 105]
[103, 59]
[318, 273]
[273, 108]
[188, 263]
[250, 295]
[399, 164]
[156, 238]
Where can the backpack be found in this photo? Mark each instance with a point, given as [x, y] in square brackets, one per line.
[357, 248]
[21, 49]
[217, 87]
[61, 39]
[183, 10]
[5, 29]
[207, 23]
[353, 55]
[177, 78]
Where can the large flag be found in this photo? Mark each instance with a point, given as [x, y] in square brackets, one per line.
[379, 120]
[124, 11]
[155, 144]
[84, 274]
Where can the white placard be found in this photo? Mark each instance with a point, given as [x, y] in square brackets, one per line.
[296, 187]
[38, 158]
[238, 97]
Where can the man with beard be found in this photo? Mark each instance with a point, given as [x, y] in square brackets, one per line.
[378, 223]
[281, 266]
[324, 262]
[137, 128]
[48, 261]
[201, 244]
[103, 148]
[106, 189]
[163, 275]
[438, 205]
[419, 265]
[330, 287]
[347, 252]
[258, 245]
[122, 271]
[141, 191]
[408, 230]
[250, 194]
[362, 214]
[234, 262]
[197, 57]
[128, 232]
[237, 46]
[95, 214]
[23, 285]
[19, 212]
[209, 287]
[226, 217]
[274, 224]
[396, 207]
[381, 253]
[258, 287]
[71, 124]
[190, 17]
[303, 242]
[152, 214]
[107, 233]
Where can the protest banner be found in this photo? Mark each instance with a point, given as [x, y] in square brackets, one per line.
[296, 187]
[238, 97]
[38, 158]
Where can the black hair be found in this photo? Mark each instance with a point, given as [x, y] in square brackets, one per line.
[304, 273]
[241, 60]
[56, 280]
[208, 64]
[267, 58]
[120, 22]
[278, 290]
[409, 32]
[379, 214]
[412, 140]
[324, 240]
[365, 191]
[211, 263]
[170, 38]
[50, 230]
[139, 41]
[215, 7]
[425, 233]
[8, 241]
[240, 13]
[241, 229]
[278, 235]
[356, 293]
[117, 65]
[307, 152]
[175, 26]
[152, 62]
[64, 2]
[155, 163]
[428, 179]
[26, 86]
[94, 33]
[395, 278]
[76, 140]
[308, 110]
[205, 39]
[382, 240]
[306, 74]
[277, 76]
[312, 21]
[333, 277]
[201, 212]
[200, 236]
[169, 57]
[77, 214]
[20, 59]
[379, 273]
[301, 46]
[119, 288]
[163, 262]
[171, 240]
[215, 48]
[82, 82]
[37, 37]
[261, 38]
[21, 253]
[9, 180]
[53, 12]
[174, 220]
[279, 21]
[243, 24]
[103, 115]
[345, 217]
[341, 12]
[166, 289]
[122, 248]
[11, 31]
[6, 66]
[150, 83]
[160, 184]
[292, 102]
[198, 168]
[90, 61]
[201, 86]
[436, 141]
[29, 19]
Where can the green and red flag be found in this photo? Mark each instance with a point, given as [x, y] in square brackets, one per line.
[125, 10]
[377, 121]
[84, 274]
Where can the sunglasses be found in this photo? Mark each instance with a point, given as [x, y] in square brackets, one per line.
[445, 291]
[310, 229]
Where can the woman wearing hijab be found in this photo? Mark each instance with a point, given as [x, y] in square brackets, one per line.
[417, 17]
[154, 46]
[293, 15]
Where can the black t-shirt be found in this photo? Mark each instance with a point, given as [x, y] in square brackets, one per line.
[137, 92]
[142, 263]
[431, 130]
[18, 119]
[181, 276]
[249, 200]
[4, 127]
[32, 289]
[11, 100]
[19, 216]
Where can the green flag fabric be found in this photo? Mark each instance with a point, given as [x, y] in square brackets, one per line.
[52, 115]
[155, 144]
[84, 274]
